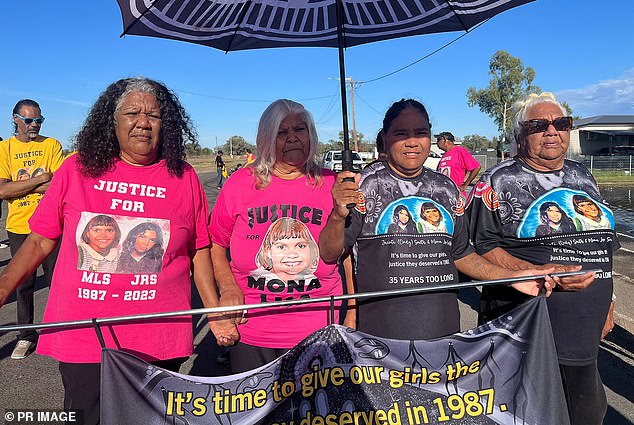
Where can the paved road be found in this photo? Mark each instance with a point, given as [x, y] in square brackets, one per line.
[34, 382]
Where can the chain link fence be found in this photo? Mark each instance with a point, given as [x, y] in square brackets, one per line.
[617, 163]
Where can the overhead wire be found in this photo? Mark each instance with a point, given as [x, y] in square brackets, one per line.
[368, 105]
[331, 104]
[358, 83]
[424, 57]
[245, 100]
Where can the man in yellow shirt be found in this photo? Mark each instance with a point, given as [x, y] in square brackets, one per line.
[27, 163]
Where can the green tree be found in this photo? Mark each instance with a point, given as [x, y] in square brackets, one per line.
[568, 109]
[236, 145]
[510, 81]
[360, 139]
[475, 142]
[332, 145]
[192, 149]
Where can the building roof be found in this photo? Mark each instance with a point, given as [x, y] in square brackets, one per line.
[605, 120]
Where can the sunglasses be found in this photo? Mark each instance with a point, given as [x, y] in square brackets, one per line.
[29, 121]
[541, 125]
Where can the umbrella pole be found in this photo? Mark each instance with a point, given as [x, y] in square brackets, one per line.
[346, 155]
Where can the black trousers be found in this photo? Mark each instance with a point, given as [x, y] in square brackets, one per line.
[585, 395]
[82, 386]
[24, 293]
[246, 357]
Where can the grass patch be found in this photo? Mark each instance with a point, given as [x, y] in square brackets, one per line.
[603, 177]
[613, 178]
[208, 164]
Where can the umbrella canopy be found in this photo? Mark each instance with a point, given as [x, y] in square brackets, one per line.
[256, 24]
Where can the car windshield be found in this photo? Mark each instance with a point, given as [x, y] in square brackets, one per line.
[355, 156]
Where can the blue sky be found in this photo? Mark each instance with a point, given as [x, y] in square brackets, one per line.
[64, 53]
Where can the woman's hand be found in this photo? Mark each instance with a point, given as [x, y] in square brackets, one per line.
[571, 283]
[609, 322]
[350, 321]
[345, 193]
[226, 333]
[534, 287]
[225, 325]
[232, 295]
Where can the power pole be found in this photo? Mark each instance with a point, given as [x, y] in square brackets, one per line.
[354, 120]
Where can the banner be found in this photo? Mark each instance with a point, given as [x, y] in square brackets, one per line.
[503, 372]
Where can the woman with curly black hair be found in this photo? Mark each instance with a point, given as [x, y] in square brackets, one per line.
[97, 143]
[130, 166]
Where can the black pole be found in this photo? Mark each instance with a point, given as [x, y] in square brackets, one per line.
[346, 155]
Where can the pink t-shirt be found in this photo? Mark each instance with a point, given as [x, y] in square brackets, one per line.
[456, 163]
[142, 214]
[272, 235]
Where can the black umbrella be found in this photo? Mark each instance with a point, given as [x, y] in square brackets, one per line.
[257, 24]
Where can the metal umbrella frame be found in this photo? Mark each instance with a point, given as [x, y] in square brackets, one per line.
[255, 24]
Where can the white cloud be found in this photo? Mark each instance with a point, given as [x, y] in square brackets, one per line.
[607, 97]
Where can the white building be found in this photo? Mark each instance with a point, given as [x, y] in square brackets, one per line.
[601, 134]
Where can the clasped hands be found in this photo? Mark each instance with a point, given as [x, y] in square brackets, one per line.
[225, 325]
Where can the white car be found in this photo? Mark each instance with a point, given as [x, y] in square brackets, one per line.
[433, 159]
[332, 160]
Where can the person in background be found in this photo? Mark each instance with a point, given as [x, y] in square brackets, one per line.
[220, 164]
[20, 156]
[2, 244]
[456, 162]
[509, 197]
[249, 157]
[284, 183]
[380, 150]
[403, 180]
[133, 140]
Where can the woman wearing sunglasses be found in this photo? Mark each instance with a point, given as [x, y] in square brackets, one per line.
[505, 199]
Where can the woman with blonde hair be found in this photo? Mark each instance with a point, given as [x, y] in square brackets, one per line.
[280, 194]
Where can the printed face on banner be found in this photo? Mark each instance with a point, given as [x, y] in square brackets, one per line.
[121, 244]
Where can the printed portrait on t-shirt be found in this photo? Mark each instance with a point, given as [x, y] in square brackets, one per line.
[589, 215]
[37, 172]
[414, 215]
[288, 251]
[121, 244]
[402, 221]
[564, 211]
[554, 220]
[431, 219]
[23, 174]
[142, 250]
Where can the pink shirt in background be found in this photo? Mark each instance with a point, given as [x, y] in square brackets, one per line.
[240, 220]
[131, 196]
[456, 163]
